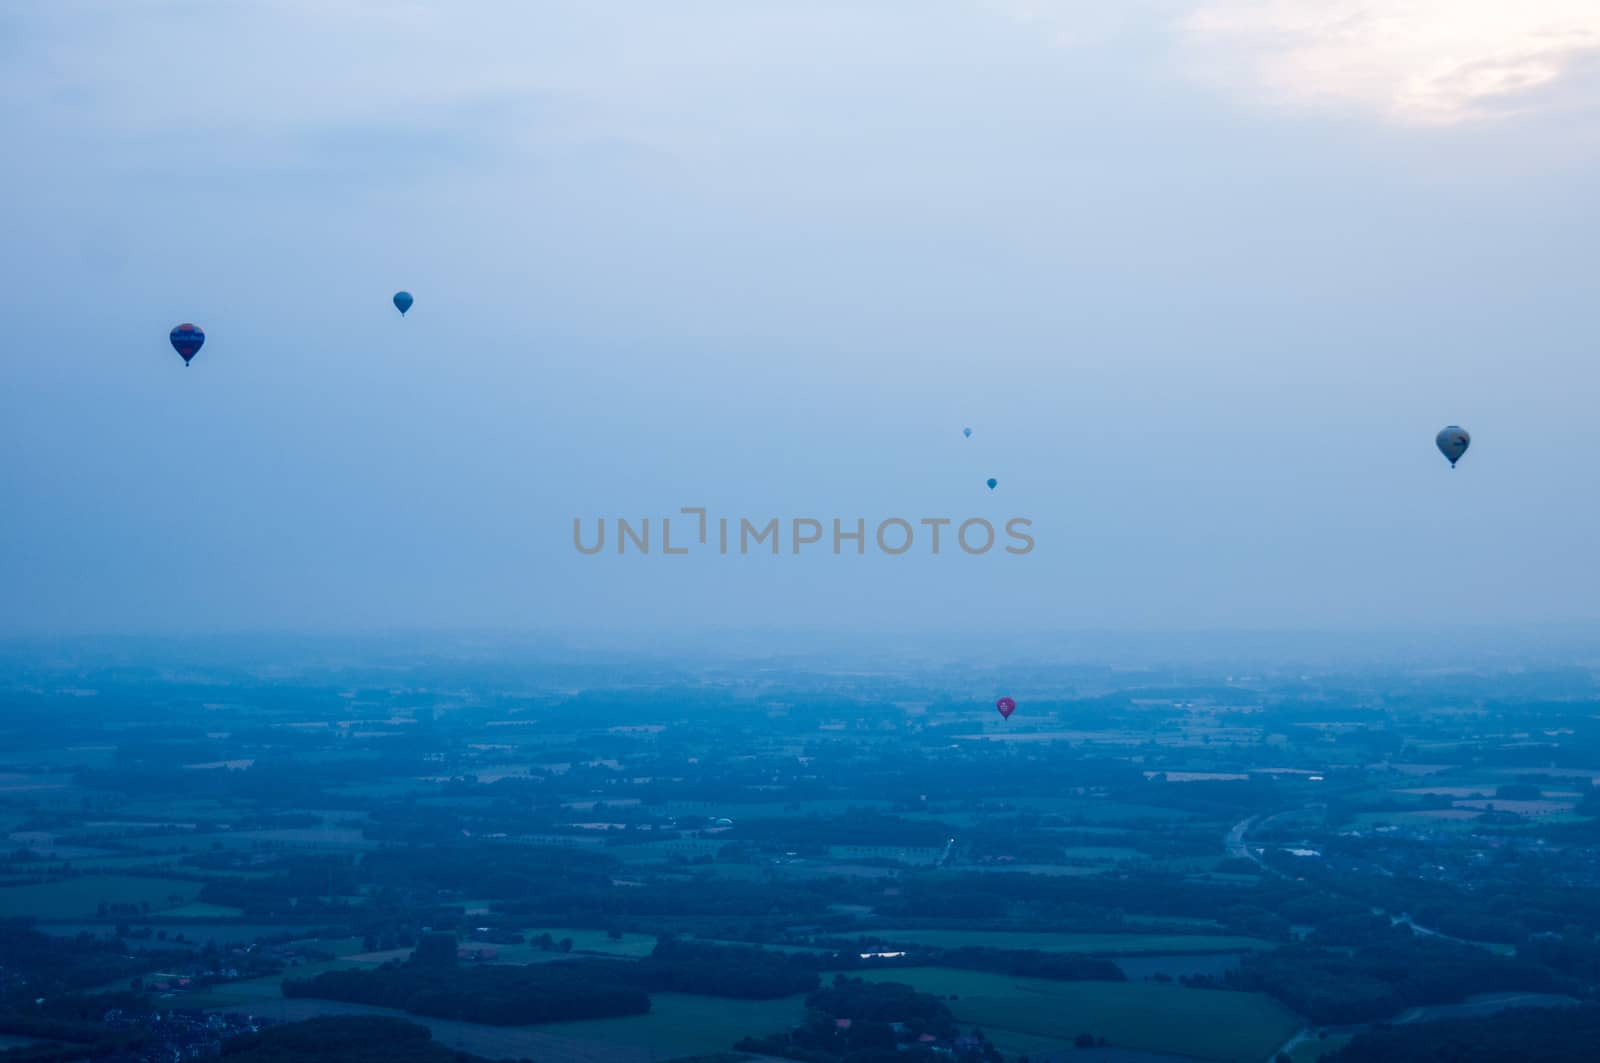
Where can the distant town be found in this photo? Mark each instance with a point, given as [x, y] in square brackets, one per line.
[491, 856]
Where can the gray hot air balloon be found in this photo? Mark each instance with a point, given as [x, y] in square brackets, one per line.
[1453, 442]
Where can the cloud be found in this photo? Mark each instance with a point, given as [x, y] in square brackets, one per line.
[1410, 62]
[1406, 62]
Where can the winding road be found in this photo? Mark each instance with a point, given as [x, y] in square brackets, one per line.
[1236, 843]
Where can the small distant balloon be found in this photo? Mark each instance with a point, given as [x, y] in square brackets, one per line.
[967, 432]
[402, 302]
[1453, 442]
[992, 482]
[1006, 706]
[187, 340]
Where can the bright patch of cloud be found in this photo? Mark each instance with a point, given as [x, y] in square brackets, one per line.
[1432, 62]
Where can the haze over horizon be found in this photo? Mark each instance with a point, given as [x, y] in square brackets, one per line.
[1205, 277]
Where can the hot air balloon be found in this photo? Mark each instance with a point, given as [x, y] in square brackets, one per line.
[402, 302]
[967, 432]
[187, 340]
[1006, 706]
[1453, 442]
[992, 482]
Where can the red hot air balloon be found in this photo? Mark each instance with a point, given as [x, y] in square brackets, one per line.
[187, 340]
[1006, 706]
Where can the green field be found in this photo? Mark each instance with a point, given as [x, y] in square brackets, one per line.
[1027, 1016]
[261, 992]
[79, 898]
[678, 1025]
[681, 1024]
[1097, 944]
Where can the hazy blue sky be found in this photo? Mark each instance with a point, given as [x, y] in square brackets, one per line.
[1205, 276]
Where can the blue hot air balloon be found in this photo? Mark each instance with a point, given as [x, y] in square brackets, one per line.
[967, 432]
[402, 302]
[187, 340]
[992, 482]
[1452, 442]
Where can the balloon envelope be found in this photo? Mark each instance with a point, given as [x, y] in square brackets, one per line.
[992, 482]
[967, 432]
[187, 340]
[402, 302]
[1006, 706]
[1453, 442]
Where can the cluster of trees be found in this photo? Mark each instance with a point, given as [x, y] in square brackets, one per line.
[303, 885]
[502, 871]
[1574, 952]
[865, 1022]
[746, 973]
[335, 1039]
[77, 1031]
[1377, 981]
[868, 1002]
[431, 984]
[67, 1027]
[55, 1052]
[343, 1039]
[51, 966]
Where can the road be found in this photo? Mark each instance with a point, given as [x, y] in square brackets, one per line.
[1236, 842]
[1237, 845]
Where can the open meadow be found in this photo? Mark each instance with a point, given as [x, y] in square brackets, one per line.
[1024, 1015]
